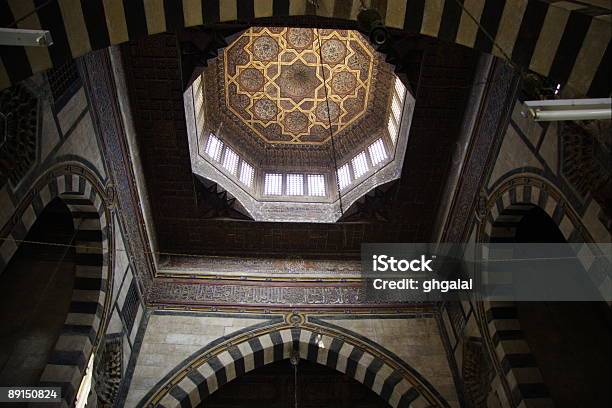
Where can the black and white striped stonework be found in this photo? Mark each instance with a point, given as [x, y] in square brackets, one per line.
[517, 196]
[207, 377]
[69, 358]
[568, 41]
[509, 204]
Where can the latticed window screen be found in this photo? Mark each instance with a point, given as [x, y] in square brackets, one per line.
[130, 306]
[378, 154]
[295, 184]
[396, 108]
[316, 185]
[360, 164]
[214, 146]
[273, 184]
[230, 161]
[344, 176]
[63, 81]
[247, 174]
[392, 128]
[400, 89]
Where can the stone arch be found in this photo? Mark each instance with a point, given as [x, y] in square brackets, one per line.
[85, 197]
[209, 369]
[518, 376]
[94, 27]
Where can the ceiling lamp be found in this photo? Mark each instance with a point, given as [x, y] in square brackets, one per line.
[371, 23]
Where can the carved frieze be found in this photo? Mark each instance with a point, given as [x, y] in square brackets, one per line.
[498, 100]
[195, 293]
[100, 86]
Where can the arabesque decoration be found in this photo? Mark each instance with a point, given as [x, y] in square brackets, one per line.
[276, 80]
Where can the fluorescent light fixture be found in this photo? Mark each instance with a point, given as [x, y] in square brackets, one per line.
[25, 38]
[569, 109]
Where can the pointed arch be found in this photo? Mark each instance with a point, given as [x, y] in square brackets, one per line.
[210, 368]
[85, 323]
[518, 377]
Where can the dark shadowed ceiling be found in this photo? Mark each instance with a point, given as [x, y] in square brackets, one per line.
[190, 218]
[277, 385]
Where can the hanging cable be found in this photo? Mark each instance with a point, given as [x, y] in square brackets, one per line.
[331, 132]
[191, 255]
[295, 385]
[489, 36]
[294, 359]
[20, 19]
[56, 268]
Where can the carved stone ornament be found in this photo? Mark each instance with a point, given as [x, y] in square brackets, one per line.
[108, 371]
[111, 195]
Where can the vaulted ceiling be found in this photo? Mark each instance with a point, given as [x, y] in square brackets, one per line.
[289, 84]
[187, 220]
[271, 88]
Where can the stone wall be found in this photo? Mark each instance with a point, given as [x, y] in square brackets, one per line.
[536, 150]
[64, 135]
[173, 339]
[415, 340]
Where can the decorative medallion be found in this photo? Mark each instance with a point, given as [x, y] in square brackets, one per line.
[294, 85]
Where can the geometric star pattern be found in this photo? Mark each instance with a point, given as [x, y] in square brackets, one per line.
[292, 85]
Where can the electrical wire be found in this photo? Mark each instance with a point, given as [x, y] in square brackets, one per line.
[191, 255]
[295, 383]
[20, 19]
[331, 132]
[24, 325]
[489, 36]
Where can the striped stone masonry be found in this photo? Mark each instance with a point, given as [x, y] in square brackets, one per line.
[568, 41]
[207, 372]
[90, 298]
[506, 208]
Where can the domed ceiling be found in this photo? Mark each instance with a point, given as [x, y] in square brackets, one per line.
[296, 124]
[298, 85]
[280, 94]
